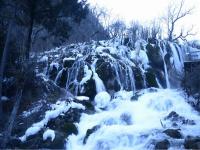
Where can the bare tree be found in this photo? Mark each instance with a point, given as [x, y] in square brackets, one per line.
[138, 31]
[134, 30]
[175, 13]
[117, 29]
[155, 29]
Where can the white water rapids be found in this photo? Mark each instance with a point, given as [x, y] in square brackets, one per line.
[134, 124]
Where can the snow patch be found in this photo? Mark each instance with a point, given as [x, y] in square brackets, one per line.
[82, 98]
[49, 134]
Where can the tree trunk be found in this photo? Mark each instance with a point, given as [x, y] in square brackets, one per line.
[29, 39]
[3, 62]
[9, 127]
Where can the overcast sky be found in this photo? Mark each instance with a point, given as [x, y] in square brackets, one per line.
[146, 10]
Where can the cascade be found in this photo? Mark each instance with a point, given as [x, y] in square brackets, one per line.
[99, 83]
[177, 58]
[163, 53]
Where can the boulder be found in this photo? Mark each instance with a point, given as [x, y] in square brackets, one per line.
[174, 133]
[192, 142]
[164, 144]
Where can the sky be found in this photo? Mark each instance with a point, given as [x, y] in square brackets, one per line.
[145, 11]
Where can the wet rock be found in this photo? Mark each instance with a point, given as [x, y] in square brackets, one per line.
[67, 128]
[89, 89]
[174, 133]
[71, 116]
[192, 142]
[151, 78]
[88, 105]
[126, 118]
[89, 132]
[52, 72]
[139, 81]
[112, 85]
[107, 74]
[57, 143]
[61, 78]
[162, 144]
[154, 55]
[135, 96]
[67, 62]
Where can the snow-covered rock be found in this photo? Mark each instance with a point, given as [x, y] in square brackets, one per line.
[57, 109]
[49, 134]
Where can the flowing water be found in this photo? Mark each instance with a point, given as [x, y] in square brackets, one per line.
[134, 124]
[163, 53]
